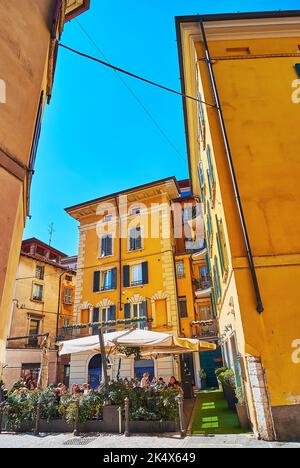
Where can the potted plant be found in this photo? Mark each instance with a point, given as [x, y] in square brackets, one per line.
[241, 409]
[227, 379]
[203, 379]
[218, 372]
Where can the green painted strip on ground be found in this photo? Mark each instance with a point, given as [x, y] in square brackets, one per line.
[212, 416]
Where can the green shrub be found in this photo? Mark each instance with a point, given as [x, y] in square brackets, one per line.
[153, 404]
[227, 378]
[20, 407]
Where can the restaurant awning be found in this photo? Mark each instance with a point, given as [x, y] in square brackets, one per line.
[150, 343]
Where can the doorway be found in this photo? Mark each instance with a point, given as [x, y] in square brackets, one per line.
[95, 371]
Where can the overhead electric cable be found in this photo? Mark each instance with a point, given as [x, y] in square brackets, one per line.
[134, 95]
[145, 80]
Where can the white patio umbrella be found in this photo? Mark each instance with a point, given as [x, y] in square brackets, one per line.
[150, 343]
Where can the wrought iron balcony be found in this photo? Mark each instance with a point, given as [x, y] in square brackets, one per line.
[205, 330]
[203, 288]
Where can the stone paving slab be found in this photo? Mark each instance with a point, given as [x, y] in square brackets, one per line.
[138, 441]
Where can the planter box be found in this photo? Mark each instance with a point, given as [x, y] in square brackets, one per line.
[152, 427]
[243, 416]
[57, 426]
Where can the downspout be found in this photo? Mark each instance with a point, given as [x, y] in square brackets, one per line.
[120, 255]
[260, 307]
[57, 321]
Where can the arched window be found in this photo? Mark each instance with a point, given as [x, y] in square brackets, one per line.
[95, 371]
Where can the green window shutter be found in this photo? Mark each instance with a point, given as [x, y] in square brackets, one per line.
[210, 185]
[132, 240]
[127, 312]
[112, 313]
[114, 278]
[145, 273]
[217, 279]
[145, 309]
[145, 314]
[220, 254]
[96, 316]
[210, 165]
[213, 303]
[297, 67]
[96, 285]
[109, 245]
[126, 274]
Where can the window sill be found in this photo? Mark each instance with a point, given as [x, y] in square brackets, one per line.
[105, 291]
[39, 301]
[106, 256]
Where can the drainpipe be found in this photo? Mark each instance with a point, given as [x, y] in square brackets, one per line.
[120, 255]
[57, 319]
[260, 307]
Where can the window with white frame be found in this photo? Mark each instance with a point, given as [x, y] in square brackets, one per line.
[106, 246]
[106, 279]
[38, 292]
[68, 296]
[180, 269]
[135, 239]
[40, 272]
[136, 275]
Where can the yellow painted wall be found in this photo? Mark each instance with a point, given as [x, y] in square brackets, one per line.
[158, 252]
[262, 124]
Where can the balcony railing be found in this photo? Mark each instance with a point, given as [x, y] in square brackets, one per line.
[203, 288]
[202, 285]
[206, 329]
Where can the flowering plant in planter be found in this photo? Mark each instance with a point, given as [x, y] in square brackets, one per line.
[20, 407]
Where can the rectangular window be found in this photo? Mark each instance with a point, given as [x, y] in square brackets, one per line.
[135, 239]
[38, 292]
[183, 307]
[139, 312]
[30, 372]
[107, 246]
[68, 296]
[297, 67]
[180, 269]
[106, 280]
[34, 328]
[107, 219]
[40, 272]
[136, 275]
[69, 278]
[206, 313]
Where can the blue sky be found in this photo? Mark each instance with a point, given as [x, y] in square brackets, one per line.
[96, 138]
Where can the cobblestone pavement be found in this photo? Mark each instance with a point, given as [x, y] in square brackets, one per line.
[138, 441]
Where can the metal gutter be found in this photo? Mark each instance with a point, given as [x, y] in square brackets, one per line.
[260, 307]
[238, 16]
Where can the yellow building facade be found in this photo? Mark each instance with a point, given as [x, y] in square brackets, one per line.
[43, 300]
[28, 52]
[243, 142]
[131, 269]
